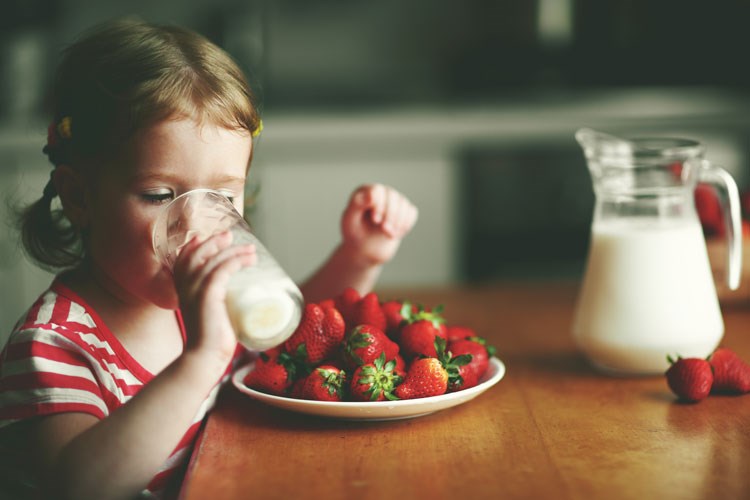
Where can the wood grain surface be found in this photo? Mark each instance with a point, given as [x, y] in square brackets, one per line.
[552, 428]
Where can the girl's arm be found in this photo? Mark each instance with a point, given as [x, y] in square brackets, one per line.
[374, 222]
[82, 457]
[86, 458]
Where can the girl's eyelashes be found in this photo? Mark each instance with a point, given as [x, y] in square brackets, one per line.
[228, 195]
[158, 198]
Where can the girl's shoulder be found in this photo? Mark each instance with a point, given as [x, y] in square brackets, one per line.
[58, 310]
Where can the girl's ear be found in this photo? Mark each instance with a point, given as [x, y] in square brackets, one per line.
[71, 189]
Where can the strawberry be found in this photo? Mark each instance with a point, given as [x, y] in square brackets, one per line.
[690, 378]
[431, 376]
[365, 343]
[318, 335]
[327, 303]
[479, 350]
[467, 377]
[368, 312]
[455, 332]
[426, 377]
[375, 381]
[345, 302]
[731, 373]
[400, 368]
[393, 317]
[709, 210]
[324, 383]
[273, 373]
[420, 331]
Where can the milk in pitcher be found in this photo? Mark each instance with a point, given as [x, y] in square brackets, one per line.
[648, 292]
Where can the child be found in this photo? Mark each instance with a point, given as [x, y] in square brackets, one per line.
[104, 383]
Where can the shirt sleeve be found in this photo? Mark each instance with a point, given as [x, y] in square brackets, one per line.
[44, 372]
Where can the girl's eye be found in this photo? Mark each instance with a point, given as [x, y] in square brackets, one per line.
[157, 198]
[228, 195]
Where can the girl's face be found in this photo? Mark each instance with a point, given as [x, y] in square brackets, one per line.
[157, 164]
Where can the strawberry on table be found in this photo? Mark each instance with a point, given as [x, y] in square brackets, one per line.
[479, 350]
[396, 312]
[368, 312]
[467, 377]
[431, 376]
[731, 373]
[690, 378]
[426, 377]
[274, 372]
[325, 383]
[420, 331]
[318, 335]
[345, 302]
[393, 318]
[457, 332]
[375, 381]
[365, 343]
[709, 210]
[400, 368]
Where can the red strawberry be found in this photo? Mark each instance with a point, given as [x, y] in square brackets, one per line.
[368, 312]
[365, 343]
[393, 317]
[709, 210]
[273, 373]
[418, 338]
[420, 331]
[690, 378]
[318, 335]
[400, 368]
[467, 377]
[324, 383]
[426, 377]
[345, 303]
[432, 376]
[375, 381]
[479, 350]
[456, 332]
[731, 373]
[327, 303]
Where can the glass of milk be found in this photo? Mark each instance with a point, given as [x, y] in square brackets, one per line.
[263, 303]
[648, 290]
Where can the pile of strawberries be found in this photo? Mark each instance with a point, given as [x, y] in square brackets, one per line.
[693, 379]
[358, 348]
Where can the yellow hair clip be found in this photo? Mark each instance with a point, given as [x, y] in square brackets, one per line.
[258, 130]
[64, 128]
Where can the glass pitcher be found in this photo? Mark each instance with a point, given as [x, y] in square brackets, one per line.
[648, 289]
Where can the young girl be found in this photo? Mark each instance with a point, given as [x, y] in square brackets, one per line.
[104, 383]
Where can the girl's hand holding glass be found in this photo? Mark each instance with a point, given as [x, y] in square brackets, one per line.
[202, 271]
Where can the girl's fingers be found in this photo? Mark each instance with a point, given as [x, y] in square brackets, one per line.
[197, 251]
[378, 202]
[245, 254]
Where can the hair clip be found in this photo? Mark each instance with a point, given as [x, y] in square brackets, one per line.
[258, 130]
[64, 128]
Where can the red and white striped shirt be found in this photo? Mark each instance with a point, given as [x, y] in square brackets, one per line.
[61, 358]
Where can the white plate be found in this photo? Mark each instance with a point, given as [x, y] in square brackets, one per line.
[377, 410]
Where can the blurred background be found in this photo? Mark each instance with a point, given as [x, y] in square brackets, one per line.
[469, 108]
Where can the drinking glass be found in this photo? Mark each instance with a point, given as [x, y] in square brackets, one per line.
[263, 303]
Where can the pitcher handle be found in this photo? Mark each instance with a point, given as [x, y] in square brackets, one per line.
[724, 183]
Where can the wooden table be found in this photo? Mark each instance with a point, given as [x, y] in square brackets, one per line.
[552, 428]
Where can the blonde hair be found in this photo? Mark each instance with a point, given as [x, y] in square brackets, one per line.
[119, 78]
